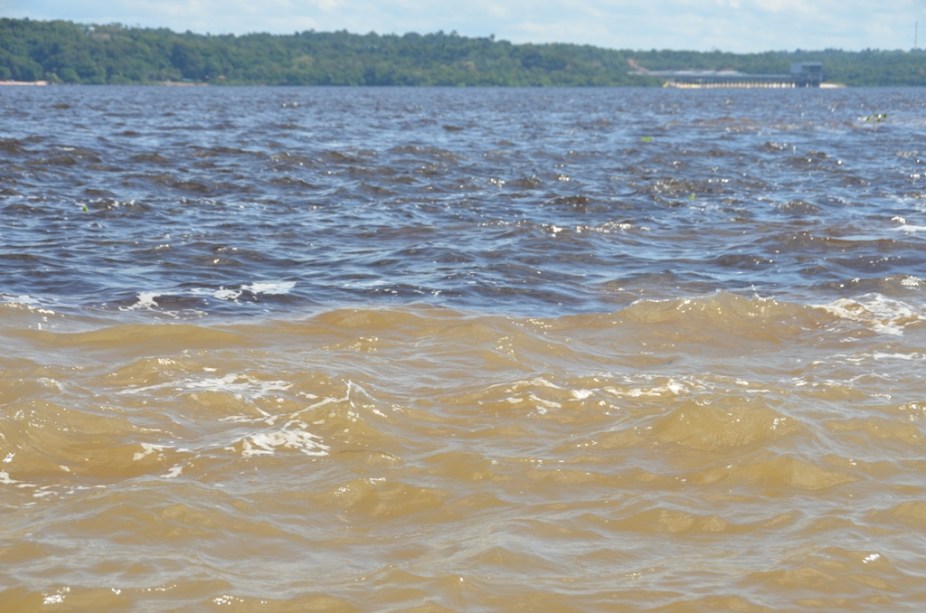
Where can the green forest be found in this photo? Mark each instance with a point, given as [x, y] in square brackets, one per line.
[66, 52]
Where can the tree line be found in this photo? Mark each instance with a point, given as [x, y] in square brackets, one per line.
[66, 52]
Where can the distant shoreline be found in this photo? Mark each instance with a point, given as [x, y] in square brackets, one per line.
[69, 53]
[23, 83]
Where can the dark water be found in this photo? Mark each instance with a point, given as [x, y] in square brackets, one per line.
[538, 202]
[456, 349]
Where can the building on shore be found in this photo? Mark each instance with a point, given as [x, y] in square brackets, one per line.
[23, 83]
[803, 74]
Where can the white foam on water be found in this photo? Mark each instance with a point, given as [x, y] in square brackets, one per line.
[292, 436]
[5, 479]
[876, 312]
[273, 288]
[26, 299]
[173, 473]
[879, 355]
[149, 449]
[541, 405]
[265, 436]
[146, 301]
[227, 294]
[882, 356]
[242, 386]
[20, 300]
[671, 387]
[269, 288]
[910, 228]
[906, 226]
[26, 302]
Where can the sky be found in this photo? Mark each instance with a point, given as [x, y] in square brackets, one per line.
[739, 26]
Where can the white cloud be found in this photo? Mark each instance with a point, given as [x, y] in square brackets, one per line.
[794, 7]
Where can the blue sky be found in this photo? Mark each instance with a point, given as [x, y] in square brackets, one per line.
[728, 25]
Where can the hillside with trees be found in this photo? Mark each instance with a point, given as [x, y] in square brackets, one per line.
[65, 52]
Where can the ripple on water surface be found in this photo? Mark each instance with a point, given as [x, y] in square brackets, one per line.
[385, 349]
[430, 455]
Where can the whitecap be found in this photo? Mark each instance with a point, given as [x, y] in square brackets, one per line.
[293, 436]
[273, 288]
[144, 301]
[26, 302]
[910, 228]
[268, 288]
[876, 312]
[242, 386]
[148, 449]
[173, 473]
[226, 294]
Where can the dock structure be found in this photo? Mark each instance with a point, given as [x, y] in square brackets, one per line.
[22, 83]
[803, 74]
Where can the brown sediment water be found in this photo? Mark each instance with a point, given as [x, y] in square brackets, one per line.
[451, 350]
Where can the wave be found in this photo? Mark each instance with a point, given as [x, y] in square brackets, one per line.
[718, 318]
[467, 445]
